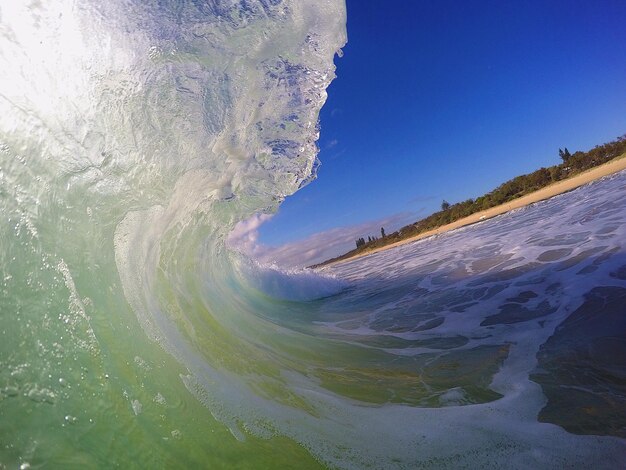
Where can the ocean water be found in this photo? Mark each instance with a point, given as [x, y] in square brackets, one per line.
[133, 138]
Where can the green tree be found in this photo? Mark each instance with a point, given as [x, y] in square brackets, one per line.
[382, 232]
[565, 155]
[445, 205]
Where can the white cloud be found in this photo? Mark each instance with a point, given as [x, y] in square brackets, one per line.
[314, 248]
[245, 235]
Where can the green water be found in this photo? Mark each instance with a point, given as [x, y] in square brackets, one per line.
[83, 387]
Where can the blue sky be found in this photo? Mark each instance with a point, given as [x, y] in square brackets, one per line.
[446, 100]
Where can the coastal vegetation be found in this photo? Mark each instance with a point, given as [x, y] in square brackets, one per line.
[361, 241]
[572, 165]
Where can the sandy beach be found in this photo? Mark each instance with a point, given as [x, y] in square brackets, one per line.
[560, 187]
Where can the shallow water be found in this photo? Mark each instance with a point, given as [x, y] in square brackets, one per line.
[133, 137]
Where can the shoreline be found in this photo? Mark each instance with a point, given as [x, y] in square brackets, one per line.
[560, 187]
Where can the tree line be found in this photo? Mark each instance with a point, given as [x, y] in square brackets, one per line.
[361, 241]
[572, 164]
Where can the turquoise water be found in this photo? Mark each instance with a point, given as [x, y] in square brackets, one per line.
[133, 137]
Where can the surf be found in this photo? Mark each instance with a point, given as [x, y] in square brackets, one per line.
[134, 137]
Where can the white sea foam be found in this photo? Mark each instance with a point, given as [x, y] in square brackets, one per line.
[500, 433]
[289, 284]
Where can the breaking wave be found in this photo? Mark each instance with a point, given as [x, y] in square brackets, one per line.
[134, 136]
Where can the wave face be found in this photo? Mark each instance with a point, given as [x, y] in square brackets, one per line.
[133, 137]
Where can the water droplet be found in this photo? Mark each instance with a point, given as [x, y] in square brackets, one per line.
[41, 395]
[160, 399]
[136, 404]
